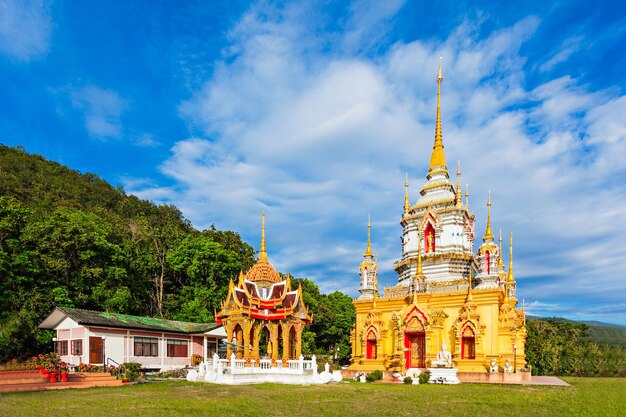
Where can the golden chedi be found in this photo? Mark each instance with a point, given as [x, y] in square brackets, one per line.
[446, 293]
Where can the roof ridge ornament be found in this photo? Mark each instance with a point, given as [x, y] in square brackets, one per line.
[368, 252]
[488, 234]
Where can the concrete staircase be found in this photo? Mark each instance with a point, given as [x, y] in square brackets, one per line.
[34, 381]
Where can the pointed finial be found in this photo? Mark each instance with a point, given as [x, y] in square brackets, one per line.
[407, 205]
[459, 194]
[263, 251]
[439, 73]
[467, 196]
[500, 264]
[509, 276]
[368, 252]
[438, 157]
[488, 234]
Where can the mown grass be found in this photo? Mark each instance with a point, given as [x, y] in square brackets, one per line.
[586, 397]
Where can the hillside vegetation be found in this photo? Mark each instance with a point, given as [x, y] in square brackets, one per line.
[72, 239]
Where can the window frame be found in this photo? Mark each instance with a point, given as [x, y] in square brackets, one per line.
[177, 348]
[76, 347]
[145, 346]
[61, 347]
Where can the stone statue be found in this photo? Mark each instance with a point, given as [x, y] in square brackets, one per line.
[444, 358]
[493, 367]
[508, 368]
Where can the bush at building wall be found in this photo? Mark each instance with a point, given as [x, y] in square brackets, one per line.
[132, 370]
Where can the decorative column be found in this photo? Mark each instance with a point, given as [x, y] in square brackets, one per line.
[299, 340]
[286, 345]
[256, 354]
[229, 338]
[274, 337]
[246, 340]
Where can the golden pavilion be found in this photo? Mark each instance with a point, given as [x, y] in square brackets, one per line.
[262, 316]
[446, 294]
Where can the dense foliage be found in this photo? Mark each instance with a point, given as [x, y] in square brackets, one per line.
[333, 318]
[71, 239]
[563, 347]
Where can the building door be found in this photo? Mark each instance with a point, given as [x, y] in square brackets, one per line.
[415, 353]
[95, 350]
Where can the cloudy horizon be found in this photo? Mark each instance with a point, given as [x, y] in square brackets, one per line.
[315, 112]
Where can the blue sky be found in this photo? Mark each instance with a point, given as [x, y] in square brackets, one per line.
[314, 111]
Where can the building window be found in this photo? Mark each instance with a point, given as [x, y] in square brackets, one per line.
[177, 348]
[61, 347]
[77, 347]
[146, 346]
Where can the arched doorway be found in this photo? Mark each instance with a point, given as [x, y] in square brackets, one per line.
[265, 343]
[371, 349]
[292, 343]
[415, 344]
[468, 344]
[237, 338]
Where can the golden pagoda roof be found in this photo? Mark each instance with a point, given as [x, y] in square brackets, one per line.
[262, 270]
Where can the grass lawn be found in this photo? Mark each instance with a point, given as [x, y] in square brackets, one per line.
[587, 396]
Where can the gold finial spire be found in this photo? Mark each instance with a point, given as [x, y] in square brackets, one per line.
[488, 233]
[263, 251]
[407, 205]
[500, 264]
[420, 272]
[438, 157]
[467, 196]
[509, 277]
[368, 252]
[459, 194]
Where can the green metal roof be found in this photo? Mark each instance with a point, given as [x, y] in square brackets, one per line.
[126, 321]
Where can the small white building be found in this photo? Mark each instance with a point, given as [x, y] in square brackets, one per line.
[103, 338]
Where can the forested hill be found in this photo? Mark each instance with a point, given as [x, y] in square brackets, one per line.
[72, 239]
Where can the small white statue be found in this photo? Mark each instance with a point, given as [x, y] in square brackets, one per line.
[493, 367]
[444, 358]
[508, 368]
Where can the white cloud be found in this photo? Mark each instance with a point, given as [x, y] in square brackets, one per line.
[102, 110]
[566, 49]
[25, 28]
[319, 139]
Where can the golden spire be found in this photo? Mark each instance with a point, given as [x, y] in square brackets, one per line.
[420, 273]
[467, 196]
[263, 251]
[488, 234]
[407, 205]
[459, 194]
[438, 157]
[368, 252]
[500, 264]
[509, 277]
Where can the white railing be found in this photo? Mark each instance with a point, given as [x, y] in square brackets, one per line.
[238, 366]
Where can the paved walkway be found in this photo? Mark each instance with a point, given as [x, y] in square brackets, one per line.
[547, 380]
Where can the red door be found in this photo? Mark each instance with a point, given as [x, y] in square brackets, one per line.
[415, 352]
[95, 350]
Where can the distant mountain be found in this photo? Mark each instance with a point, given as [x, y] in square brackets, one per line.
[601, 333]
